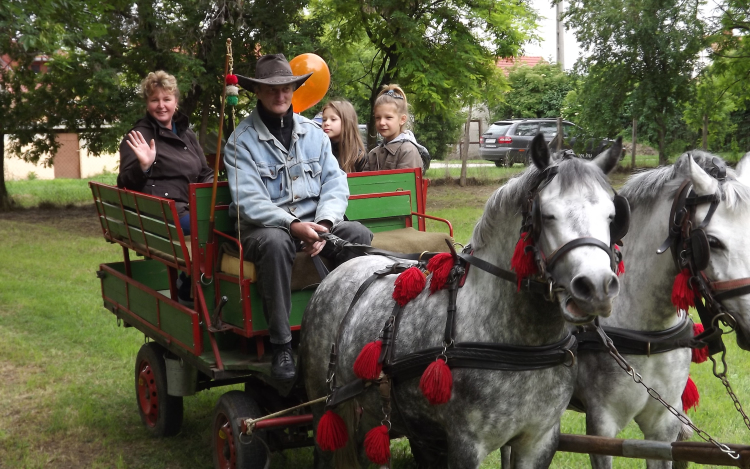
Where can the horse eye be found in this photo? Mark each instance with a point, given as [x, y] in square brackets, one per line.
[715, 243]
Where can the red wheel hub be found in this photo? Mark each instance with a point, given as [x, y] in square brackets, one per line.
[225, 449]
[148, 396]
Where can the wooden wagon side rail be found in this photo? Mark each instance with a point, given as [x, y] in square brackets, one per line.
[688, 451]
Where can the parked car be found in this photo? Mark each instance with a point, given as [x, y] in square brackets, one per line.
[506, 142]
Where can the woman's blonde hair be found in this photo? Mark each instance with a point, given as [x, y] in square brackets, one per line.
[393, 94]
[159, 79]
[351, 147]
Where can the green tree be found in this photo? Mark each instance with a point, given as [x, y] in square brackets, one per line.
[642, 51]
[99, 52]
[442, 52]
[537, 91]
[709, 112]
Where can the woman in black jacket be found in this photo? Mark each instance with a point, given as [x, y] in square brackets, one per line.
[160, 155]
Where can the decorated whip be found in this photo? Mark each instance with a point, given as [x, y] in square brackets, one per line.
[230, 97]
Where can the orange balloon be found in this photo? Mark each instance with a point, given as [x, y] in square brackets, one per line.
[312, 90]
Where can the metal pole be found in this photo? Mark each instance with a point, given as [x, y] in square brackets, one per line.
[698, 452]
[559, 136]
[632, 150]
[560, 35]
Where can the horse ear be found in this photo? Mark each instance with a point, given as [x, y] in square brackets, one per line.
[608, 159]
[539, 152]
[743, 169]
[703, 183]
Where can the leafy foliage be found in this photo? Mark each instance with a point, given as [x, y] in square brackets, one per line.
[644, 51]
[442, 52]
[535, 92]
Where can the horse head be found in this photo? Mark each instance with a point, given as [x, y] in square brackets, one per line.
[574, 218]
[719, 247]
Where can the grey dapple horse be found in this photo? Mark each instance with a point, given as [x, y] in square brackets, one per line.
[610, 397]
[487, 408]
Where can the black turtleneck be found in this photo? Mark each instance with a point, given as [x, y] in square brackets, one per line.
[280, 127]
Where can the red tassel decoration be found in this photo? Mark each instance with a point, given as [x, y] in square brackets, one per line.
[522, 262]
[440, 265]
[699, 354]
[231, 79]
[366, 365]
[332, 433]
[437, 382]
[378, 445]
[682, 292]
[621, 264]
[408, 285]
[690, 396]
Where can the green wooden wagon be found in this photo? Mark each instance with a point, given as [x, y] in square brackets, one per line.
[223, 338]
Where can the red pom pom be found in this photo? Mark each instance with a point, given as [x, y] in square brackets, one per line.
[522, 262]
[699, 354]
[331, 434]
[690, 396]
[437, 382]
[408, 285]
[378, 445]
[231, 79]
[366, 365]
[682, 292]
[440, 265]
[621, 264]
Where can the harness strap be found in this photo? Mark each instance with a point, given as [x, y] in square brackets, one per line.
[551, 260]
[487, 356]
[731, 288]
[528, 284]
[640, 342]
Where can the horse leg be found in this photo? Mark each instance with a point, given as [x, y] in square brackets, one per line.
[428, 456]
[659, 426]
[532, 452]
[505, 457]
[601, 424]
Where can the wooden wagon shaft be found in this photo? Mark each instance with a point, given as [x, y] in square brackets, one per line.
[698, 452]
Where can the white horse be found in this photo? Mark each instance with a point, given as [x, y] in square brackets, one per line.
[488, 408]
[609, 396]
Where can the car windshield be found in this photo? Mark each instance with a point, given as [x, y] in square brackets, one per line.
[500, 128]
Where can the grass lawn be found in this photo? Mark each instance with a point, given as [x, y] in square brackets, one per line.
[67, 393]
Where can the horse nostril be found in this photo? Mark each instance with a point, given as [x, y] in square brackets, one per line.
[613, 287]
[582, 287]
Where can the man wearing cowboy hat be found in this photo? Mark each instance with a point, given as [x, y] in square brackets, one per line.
[288, 187]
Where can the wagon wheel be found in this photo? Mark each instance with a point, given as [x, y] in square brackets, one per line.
[160, 412]
[229, 449]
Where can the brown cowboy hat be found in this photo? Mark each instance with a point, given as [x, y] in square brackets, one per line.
[272, 69]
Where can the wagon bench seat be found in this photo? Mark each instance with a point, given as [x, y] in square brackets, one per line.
[405, 240]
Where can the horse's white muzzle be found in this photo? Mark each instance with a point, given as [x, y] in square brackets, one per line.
[586, 297]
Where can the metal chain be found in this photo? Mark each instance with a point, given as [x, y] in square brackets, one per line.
[638, 379]
[723, 377]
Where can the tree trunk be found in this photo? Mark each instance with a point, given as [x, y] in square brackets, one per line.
[662, 147]
[465, 153]
[4, 196]
[204, 120]
[705, 132]
[635, 141]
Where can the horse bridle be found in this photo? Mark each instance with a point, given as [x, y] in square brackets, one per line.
[532, 225]
[690, 250]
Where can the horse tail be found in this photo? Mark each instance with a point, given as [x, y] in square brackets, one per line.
[347, 457]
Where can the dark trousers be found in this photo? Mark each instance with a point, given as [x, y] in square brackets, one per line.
[273, 250]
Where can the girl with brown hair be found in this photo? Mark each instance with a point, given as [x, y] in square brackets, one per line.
[341, 126]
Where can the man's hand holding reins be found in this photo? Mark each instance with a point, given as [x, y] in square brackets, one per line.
[307, 232]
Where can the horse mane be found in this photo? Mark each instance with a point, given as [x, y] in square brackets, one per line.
[647, 186]
[508, 201]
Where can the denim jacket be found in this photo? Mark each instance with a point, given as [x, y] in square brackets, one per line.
[273, 186]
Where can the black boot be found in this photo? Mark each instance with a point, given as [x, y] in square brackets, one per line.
[282, 365]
